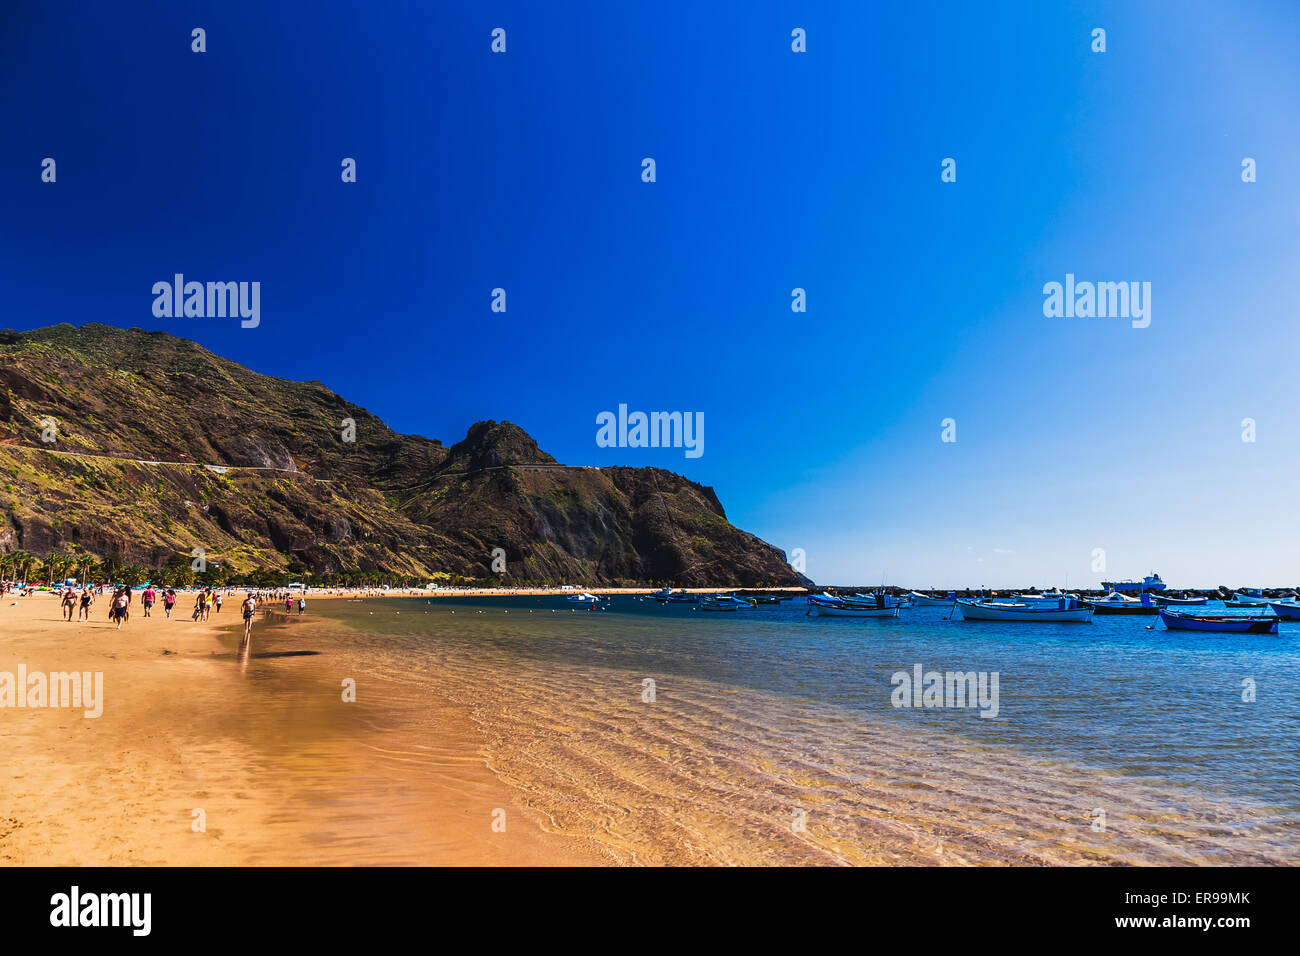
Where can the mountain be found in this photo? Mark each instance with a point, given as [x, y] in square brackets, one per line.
[159, 447]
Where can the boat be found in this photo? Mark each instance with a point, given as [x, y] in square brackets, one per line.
[924, 600]
[1047, 597]
[766, 599]
[1151, 582]
[1247, 597]
[1065, 610]
[723, 602]
[1287, 610]
[1161, 600]
[876, 599]
[677, 597]
[1220, 623]
[1116, 603]
[662, 595]
[583, 598]
[831, 606]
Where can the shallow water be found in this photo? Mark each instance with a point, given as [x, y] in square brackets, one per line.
[772, 736]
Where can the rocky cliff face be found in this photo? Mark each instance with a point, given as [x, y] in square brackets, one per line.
[138, 415]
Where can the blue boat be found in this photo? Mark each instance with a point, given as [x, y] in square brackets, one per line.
[1220, 623]
[1287, 610]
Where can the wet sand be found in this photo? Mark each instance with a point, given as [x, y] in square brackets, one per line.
[283, 771]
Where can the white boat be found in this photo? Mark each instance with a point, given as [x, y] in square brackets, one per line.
[583, 598]
[723, 602]
[831, 606]
[924, 600]
[1065, 610]
[1114, 597]
[1047, 597]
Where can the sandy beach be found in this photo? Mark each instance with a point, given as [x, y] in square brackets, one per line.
[473, 713]
[198, 759]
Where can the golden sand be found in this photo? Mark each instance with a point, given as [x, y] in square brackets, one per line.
[198, 759]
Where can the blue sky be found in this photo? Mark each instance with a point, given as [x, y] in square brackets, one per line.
[775, 170]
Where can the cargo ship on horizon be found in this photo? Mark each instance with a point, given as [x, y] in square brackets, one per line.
[1151, 582]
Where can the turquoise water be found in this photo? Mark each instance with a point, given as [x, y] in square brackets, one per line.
[1120, 698]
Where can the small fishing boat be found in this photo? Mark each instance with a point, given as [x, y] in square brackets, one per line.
[766, 599]
[583, 598]
[1066, 610]
[1220, 623]
[723, 602]
[1245, 602]
[924, 600]
[1287, 610]
[831, 606]
[1116, 603]
[877, 599]
[682, 597]
[1046, 597]
[1249, 594]
[662, 595]
[1161, 600]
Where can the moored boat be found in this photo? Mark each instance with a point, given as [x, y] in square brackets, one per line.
[831, 606]
[583, 598]
[1046, 597]
[1161, 600]
[1066, 610]
[723, 602]
[1287, 610]
[924, 600]
[1245, 602]
[1220, 623]
[1116, 603]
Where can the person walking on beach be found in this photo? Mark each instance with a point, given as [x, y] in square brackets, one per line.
[247, 609]
[149, 596]
[87, 599]
[288, 604]
[220, 597]
[302, 604]
[169, 601]
[69, 603]
[198, 607]
[120, 608]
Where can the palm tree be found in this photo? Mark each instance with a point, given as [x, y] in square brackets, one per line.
[109, 569]
[22, 564]
[85, 563]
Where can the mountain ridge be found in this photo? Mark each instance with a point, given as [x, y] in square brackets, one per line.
[270, 473]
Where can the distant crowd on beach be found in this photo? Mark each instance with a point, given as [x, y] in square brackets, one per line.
[77, 601]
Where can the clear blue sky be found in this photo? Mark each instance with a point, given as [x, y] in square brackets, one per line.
[775, 170]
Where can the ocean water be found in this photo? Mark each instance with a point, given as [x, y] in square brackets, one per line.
[773, 737]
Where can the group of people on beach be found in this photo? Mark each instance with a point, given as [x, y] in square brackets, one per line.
[79, 601]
